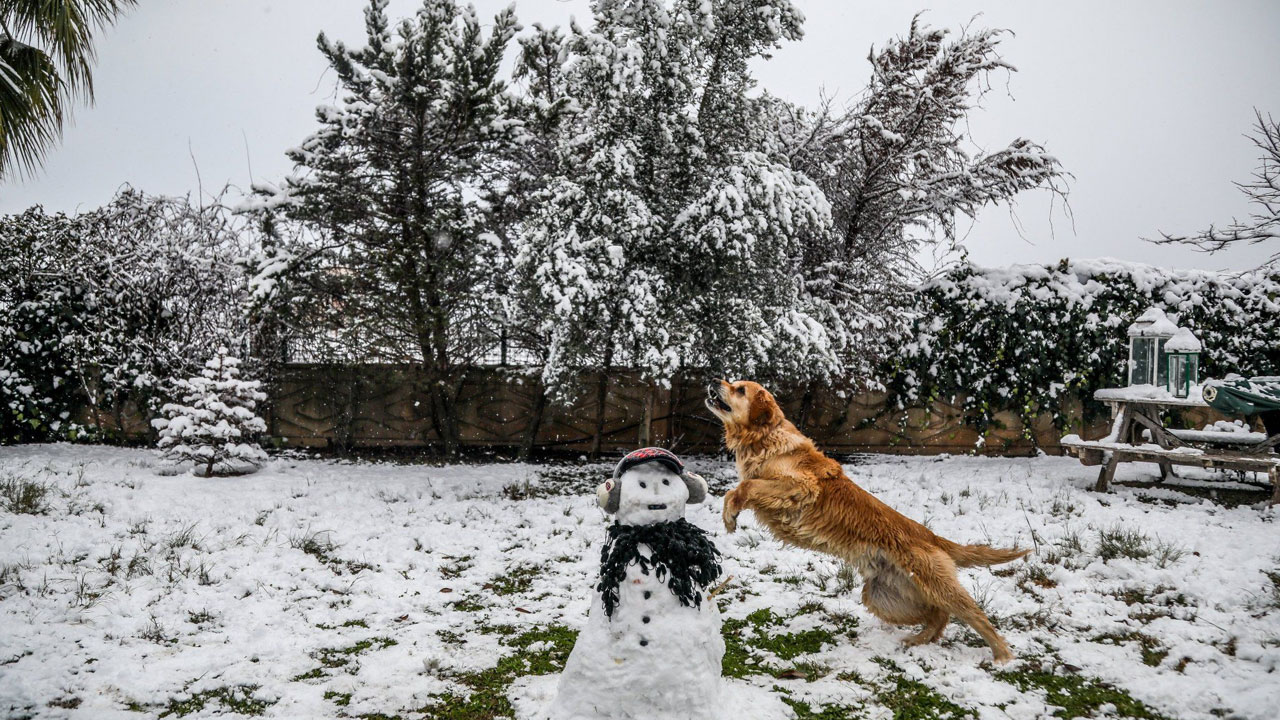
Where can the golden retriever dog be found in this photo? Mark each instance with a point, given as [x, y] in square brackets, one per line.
[806, 500]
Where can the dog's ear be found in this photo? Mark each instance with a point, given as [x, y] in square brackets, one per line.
[763, 410]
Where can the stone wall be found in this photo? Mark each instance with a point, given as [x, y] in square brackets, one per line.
[378, 406]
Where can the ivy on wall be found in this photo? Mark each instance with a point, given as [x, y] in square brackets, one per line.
[1026, 338]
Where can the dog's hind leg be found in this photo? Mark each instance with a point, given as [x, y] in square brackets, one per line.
[932, 630]
[935, 575]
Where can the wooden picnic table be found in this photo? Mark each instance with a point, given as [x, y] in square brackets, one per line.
[1142, 408]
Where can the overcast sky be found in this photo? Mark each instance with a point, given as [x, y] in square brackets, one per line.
[1146, 103]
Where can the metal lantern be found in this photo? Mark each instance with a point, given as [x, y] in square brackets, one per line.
[1182, 352]
[1147, 337]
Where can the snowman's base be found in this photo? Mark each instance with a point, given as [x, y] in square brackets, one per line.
[531, 696]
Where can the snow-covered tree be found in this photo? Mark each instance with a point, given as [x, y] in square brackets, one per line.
[1263, 190]
[41, 310]
[898, 168]
[665, 238]
[394, 259]
[216, 425]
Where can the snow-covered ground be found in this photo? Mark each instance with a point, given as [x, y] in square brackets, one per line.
[320, 589]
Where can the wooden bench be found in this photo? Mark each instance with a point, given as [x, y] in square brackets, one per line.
[1138, 414]
[1096, 452]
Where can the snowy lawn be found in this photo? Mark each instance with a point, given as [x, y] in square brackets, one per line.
[321, 589]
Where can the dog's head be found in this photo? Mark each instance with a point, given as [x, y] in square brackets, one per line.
[743, 405]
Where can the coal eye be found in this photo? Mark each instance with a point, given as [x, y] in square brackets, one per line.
[666, 481]
[642, 484]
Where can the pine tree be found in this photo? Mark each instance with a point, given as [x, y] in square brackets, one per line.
[898, 169]
[217, 425]
[665, 239]
[396, 258]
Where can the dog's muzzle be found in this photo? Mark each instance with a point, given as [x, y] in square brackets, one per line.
[714, 400]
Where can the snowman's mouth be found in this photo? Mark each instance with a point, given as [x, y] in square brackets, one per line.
[659, 506]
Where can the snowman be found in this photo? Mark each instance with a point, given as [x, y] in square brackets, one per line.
[651, 647]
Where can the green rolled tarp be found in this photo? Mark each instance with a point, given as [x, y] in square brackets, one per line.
[1236, 395]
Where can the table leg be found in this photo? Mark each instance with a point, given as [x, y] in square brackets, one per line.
[1152, 421]
[1274, 475]
[1107, 473]
[1123, 434]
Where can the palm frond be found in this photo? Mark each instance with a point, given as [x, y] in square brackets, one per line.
[46, 65]
[31, 105]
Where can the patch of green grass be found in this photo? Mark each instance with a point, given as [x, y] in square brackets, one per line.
[456, 567]
[1157, 602]
[201, 617]
[338, 657]
[1078, 696]
[468, 604]
[339, 699]
[449, 636]
[1152, 652]
[318, 545]
[805, 711]
[488, 688]
[1118, 542]
[913, 700]
[753, 632]
[1035, 574]
[516, 580]
[1274, 577]
[236, 698]
[807, 671]
[846, 623]
[790, 645]
[66, 703]
[350, 623]
[21, 496]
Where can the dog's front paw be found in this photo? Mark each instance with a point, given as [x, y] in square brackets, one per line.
[730, 513]
[730, 522]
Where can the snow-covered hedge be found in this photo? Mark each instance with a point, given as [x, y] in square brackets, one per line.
[98, 310]
[1026, 337]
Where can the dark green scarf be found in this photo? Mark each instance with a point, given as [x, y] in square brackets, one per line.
[682, 553]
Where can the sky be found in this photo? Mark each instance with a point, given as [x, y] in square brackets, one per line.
[1147, 104]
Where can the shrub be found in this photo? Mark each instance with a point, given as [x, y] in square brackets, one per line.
[1028, 337]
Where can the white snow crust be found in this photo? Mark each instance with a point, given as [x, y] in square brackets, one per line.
[223, 592]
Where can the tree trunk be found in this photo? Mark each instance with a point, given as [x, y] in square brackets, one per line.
[673, 415]
[602, 392]
[645, 434]
[535, 423]
[602, 389]
[806, 406]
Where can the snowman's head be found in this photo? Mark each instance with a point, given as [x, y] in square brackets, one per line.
[650, 486]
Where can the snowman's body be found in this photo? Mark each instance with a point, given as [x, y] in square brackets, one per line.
[655, 658]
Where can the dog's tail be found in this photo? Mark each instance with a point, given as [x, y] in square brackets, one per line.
[976, 555]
